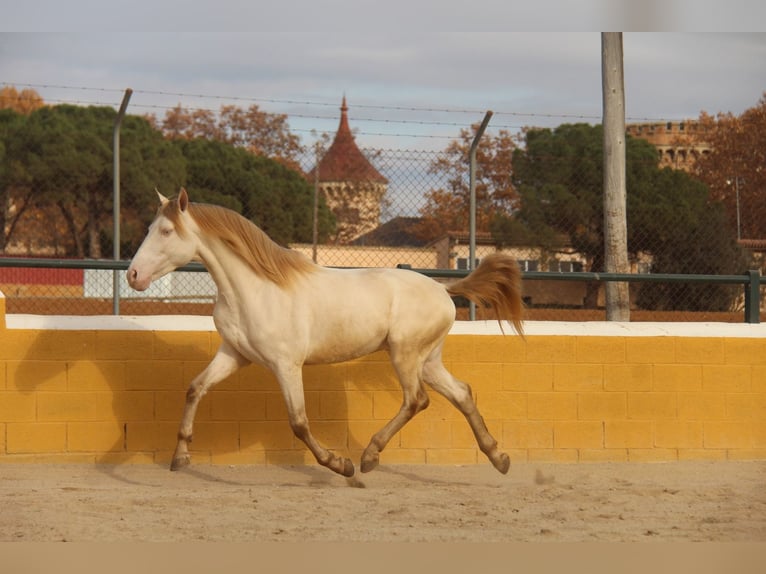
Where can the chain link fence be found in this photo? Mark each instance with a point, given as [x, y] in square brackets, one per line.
[411, 212]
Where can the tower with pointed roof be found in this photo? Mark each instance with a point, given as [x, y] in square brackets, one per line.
[353, 189]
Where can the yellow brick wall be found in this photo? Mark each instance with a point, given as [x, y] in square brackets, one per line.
[117, 396]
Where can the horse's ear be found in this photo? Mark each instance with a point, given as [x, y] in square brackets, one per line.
[183, 199]
[163, 200]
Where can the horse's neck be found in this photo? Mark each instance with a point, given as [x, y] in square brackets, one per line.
[230, 273]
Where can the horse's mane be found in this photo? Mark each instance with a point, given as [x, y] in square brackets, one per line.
[270, 260]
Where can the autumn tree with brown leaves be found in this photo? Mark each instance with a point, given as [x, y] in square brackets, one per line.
[735, 167]
[259, 132]
[447, 208]
[23, 102]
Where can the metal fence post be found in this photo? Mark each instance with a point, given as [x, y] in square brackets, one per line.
[472, 213]
[116, 199]
[753, 297]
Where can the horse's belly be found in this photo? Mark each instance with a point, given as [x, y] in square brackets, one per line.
[343, 344]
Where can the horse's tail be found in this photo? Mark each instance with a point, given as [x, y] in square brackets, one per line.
[496, 283]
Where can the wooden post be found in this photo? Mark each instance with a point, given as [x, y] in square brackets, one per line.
[615, 194]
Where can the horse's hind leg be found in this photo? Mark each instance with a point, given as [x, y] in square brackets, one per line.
[291, 382]
[459, 394]
[226, 361]
[415, 399]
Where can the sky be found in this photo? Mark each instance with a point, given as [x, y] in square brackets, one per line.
[408, 86]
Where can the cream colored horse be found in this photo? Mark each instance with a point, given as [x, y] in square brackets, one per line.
[275, 307]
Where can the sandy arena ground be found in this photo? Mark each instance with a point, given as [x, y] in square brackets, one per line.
[670, 502]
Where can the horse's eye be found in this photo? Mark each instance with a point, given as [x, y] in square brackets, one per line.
[166, 232]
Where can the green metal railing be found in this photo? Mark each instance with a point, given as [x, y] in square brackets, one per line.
[751, 281]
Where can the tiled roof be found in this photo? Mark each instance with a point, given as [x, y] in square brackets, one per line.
[343, 161]
[399, 232]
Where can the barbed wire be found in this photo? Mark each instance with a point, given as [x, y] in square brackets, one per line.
[383, 107]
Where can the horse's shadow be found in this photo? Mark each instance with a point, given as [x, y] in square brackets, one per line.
[66, 367]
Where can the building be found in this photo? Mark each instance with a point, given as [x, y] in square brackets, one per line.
[679, 144]
[353, 189]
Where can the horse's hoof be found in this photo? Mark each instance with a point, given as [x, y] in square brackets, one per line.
[502, 463]
[370, 463]
[348, 468]
[180, 462]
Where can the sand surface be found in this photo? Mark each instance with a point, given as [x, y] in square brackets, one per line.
[675, 502]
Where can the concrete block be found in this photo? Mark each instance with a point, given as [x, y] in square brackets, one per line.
[266, 435]
[27, 437]
[677, 377]
[699, 350]
[99, 437]
[730, 378]
[550, 349]
[345, 405]
[650, 350]
[527, 377]
[701, 406]
[182, 346]
[36, 376]
[528, 434]
[124, 345]
[628, 434]
[18, 407]
[741, 351]
[578, 434]
[132, 406]
[155, 375]
[501, 349]
[480, 376]
[236, 405]
[602, 406]
[746, 406]
[578, 377]
[502, 405]
[422, 433]
[678, 434]
[600, 350]
[90, 375]
[552, 406]
[628, 377]
[652, 406]
[151, 436]
[727, 434]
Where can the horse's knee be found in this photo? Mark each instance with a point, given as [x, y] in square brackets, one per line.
[413, 405]
[299, 426]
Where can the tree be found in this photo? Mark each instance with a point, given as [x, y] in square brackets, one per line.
[447, 208]
[276, 198]
[673, 217]
[558, 174]
[60, 159]
[259, 132]
[735, 168]
[23, 102]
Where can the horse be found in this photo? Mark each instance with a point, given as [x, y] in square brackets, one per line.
[277, 308]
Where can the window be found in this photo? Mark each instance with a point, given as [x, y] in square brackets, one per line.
[462, 263]
[528, 264]
[566, 266]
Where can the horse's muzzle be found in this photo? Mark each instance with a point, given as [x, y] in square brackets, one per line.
[136, 281]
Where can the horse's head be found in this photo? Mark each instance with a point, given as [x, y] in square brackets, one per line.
[167, 245]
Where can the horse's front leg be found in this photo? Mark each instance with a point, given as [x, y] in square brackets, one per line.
[226, 361]
[291, 382]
